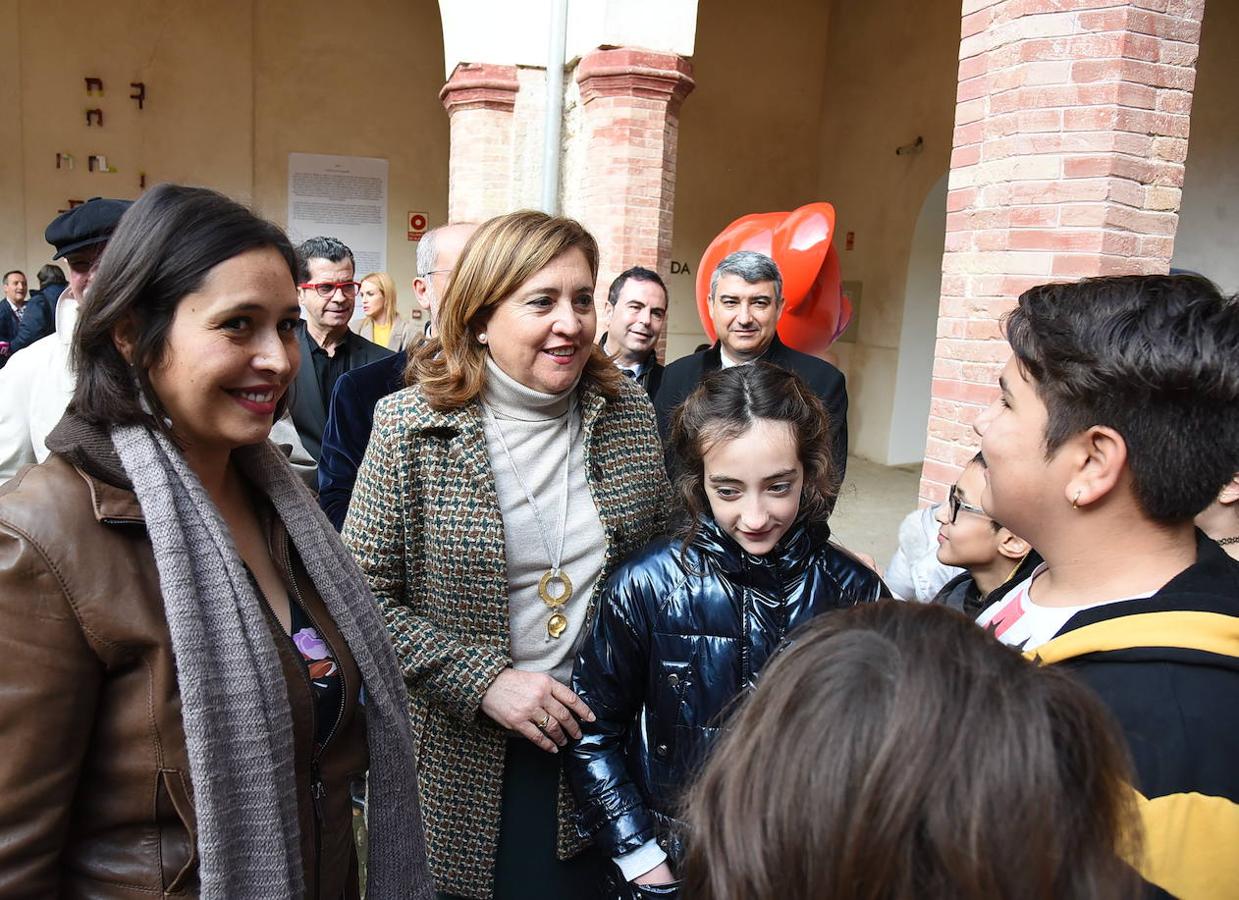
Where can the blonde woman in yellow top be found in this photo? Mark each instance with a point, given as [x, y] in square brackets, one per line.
[382, 324]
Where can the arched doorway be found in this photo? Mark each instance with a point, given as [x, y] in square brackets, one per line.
[918, 330]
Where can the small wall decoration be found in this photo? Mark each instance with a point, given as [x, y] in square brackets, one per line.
[139, 92]
[94, 85]
[142, 180]
[65, 161]
[911, 149]
[418, 223]
[94, 117]
[98, 163]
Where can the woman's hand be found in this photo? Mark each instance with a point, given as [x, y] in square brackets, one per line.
[660, 874]
[536, 706]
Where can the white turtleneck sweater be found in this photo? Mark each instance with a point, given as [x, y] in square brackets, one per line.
[533, 427]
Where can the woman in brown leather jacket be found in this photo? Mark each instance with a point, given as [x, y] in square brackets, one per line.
[193, 674]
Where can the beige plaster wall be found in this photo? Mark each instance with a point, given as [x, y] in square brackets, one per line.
[891, 77]
[1208, 231]
[12, 161]
[233, 87]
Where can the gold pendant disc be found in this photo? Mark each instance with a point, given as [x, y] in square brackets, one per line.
[556, 624]
[544, 589]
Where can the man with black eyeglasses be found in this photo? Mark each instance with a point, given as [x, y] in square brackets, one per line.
[327, 292]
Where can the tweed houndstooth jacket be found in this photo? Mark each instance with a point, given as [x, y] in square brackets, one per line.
[425, 526]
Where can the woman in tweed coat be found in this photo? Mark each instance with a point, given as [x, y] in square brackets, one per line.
[517, 451]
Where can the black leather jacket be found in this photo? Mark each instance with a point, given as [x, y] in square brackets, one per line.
[679, 634]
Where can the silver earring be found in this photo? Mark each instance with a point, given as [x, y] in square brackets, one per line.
[482, 337]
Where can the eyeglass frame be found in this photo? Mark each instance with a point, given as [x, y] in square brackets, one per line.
[955, 503]
[317, 287]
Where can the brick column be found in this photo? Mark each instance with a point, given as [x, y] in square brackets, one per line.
[479, 99]
[630, 103]
[1071, 131]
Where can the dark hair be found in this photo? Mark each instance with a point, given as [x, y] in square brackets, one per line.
[1156, 358]
[724, 406]
[896, 751]
[162, 250]
[5, 280]
[636, 273]
[320, 247]
[51, 274]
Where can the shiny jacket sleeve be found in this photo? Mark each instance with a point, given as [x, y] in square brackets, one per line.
[49, 683]
[610, 676]
[383, 531]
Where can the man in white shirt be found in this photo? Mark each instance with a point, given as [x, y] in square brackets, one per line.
[37, 385]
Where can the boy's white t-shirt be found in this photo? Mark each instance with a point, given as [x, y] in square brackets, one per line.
[1019, 622]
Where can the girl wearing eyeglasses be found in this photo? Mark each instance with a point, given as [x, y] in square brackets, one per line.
[687, 624]
[970, 539]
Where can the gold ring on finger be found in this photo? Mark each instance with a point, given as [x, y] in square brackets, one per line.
[546, 720]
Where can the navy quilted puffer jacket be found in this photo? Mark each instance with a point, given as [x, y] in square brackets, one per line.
[679, 634]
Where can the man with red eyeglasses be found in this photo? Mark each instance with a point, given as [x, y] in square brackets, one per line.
[328, 349]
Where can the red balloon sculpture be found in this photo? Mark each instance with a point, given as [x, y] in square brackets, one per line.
[815, 311]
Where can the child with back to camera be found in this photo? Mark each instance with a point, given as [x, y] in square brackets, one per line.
[895, 751]
[687, 625]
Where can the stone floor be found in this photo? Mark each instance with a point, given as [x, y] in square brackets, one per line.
[872, 503]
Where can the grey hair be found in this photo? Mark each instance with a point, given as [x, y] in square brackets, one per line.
[753, 267]
[428, 248]
[328, 248]
[428, 251]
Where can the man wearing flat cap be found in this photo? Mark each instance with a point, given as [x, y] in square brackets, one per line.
[37, 384]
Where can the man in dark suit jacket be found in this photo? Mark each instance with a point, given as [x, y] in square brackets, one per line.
[39, 319]
[12, 307]
[348, 430]
[746, 298]
[633, 318]
[328, 349]
[351, 416]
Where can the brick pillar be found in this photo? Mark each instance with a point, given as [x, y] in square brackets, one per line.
[479, 99]
[1071, 131]
[629, 125]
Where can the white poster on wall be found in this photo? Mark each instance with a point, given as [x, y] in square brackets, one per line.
[343, 197]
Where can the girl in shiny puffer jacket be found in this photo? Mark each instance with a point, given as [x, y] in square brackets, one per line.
[685, 626]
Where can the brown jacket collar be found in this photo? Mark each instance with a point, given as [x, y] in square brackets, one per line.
[88, 447]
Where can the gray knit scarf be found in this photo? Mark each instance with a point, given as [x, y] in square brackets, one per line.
[238, 727]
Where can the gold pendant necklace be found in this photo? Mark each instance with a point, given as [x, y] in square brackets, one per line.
[557, 624]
